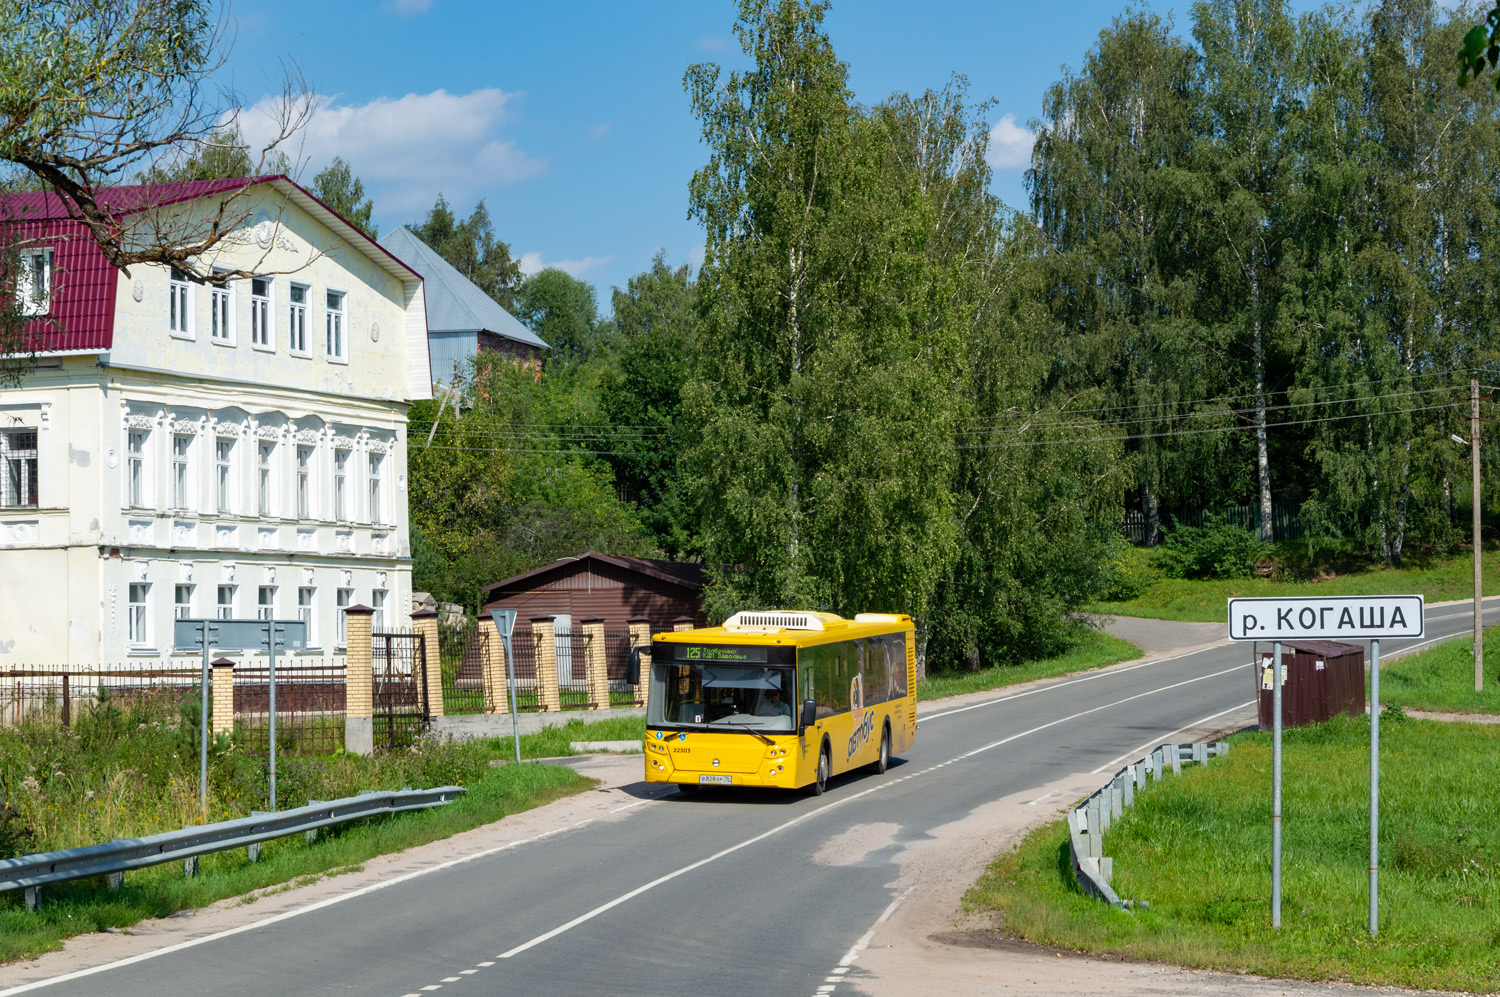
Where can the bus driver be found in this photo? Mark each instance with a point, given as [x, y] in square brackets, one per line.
[770, 705]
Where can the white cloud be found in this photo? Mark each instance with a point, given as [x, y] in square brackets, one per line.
[1010, 144]
[407, 149]
[600, 131]
[533, 263]
[406, 8]
[713, 43]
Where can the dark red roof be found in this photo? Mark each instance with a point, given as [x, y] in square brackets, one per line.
[688, 574]
[82, 314]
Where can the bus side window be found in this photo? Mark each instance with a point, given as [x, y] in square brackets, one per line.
[897, 662]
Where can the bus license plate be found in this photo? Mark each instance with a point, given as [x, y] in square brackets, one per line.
[721, 780]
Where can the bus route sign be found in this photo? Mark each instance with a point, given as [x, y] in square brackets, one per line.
[1362, 617]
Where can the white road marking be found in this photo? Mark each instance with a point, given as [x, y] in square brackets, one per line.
[1063, 685]
[1135, 752]
[836, 975]
[484, 964]
[283, 916]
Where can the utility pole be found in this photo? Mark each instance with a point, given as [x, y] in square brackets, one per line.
[1478, 584]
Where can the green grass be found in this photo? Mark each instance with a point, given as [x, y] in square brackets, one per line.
[551, 742]
[83, 906]
[1198, 849]
[1205, 600]
[1441, 678]
[1094, 649]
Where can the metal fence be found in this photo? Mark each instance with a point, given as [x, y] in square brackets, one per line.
[616, 660]
[309, 704]
[1286, 523]
[399, 689]
[462, 650]
[572, 670]
[62, 695]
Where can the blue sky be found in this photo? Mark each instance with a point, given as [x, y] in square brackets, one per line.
[569, 118]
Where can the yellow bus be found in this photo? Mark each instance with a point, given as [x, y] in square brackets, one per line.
[780, 699]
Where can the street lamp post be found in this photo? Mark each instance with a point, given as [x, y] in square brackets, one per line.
[1473, 444]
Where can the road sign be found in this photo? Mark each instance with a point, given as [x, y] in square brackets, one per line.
[237, 635]
[1363, 617]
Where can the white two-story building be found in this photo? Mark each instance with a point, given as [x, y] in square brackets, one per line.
[181, 449]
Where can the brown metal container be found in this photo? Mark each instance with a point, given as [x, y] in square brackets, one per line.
[1323, 678]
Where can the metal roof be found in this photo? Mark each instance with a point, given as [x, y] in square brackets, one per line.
[82, 308]
[687, 574]
[454, 302]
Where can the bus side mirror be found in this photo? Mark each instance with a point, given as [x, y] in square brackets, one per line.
[809, 712]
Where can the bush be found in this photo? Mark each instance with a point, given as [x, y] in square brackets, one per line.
[1128, 572]
[1217, 549]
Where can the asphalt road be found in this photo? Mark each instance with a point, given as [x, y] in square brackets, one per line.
[733, 891]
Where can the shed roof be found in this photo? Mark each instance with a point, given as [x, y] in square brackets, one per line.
[688, 574]
[454, 302]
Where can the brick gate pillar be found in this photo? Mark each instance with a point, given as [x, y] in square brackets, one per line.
[359, 682]
[547, 697]
[425, 622]
[496, 691]
[640, 639]
[682, 623]
[595, 666]
[223, 697]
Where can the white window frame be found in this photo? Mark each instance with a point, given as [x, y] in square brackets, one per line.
[221, 314]
[183, 497]
[225, 610]
[303, 498]
[180, 305]
[263, 315]
[224, 503]
[138, 615]
[34, 281]
[336, 324]
[138, 469]
[296, 334]
[375, 485]
[265, 602]
[379, 598]
[341, 485]
[20, 468]
[307, 605]
[182, 610]
[343, 598]
[265, 477]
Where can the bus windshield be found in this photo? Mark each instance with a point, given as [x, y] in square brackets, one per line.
[721, 695]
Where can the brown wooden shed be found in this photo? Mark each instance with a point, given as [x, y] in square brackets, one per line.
[610, 586]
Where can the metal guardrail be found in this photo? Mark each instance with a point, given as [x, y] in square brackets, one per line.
[115, 858]
[1088, 822]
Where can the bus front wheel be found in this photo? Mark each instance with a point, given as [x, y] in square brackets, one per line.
[825, 765]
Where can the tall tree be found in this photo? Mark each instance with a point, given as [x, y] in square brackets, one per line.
[825, 398]
[563, 311]
[338, 187]
[471, 246]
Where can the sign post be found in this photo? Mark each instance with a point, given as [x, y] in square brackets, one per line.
[236, 635]
[505, 624]
[1326, 618]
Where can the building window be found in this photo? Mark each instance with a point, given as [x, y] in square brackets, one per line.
[179, 305]
[377, 603]
[260, 314]
[34, 282]
[297, 326]
[342, 600]
[18, 454]
[182, 492]
[304, 482]
[135, 466]
[377, 461]
[265, 602]
[221, 318]
[336, 343]
[223, 464]
[225, 608]
[265, 453]
[136, 618]
[341, 485]
[306, 597]
[182, 602]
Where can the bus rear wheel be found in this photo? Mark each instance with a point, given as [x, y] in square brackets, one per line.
[825, 765]
[879, 765]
